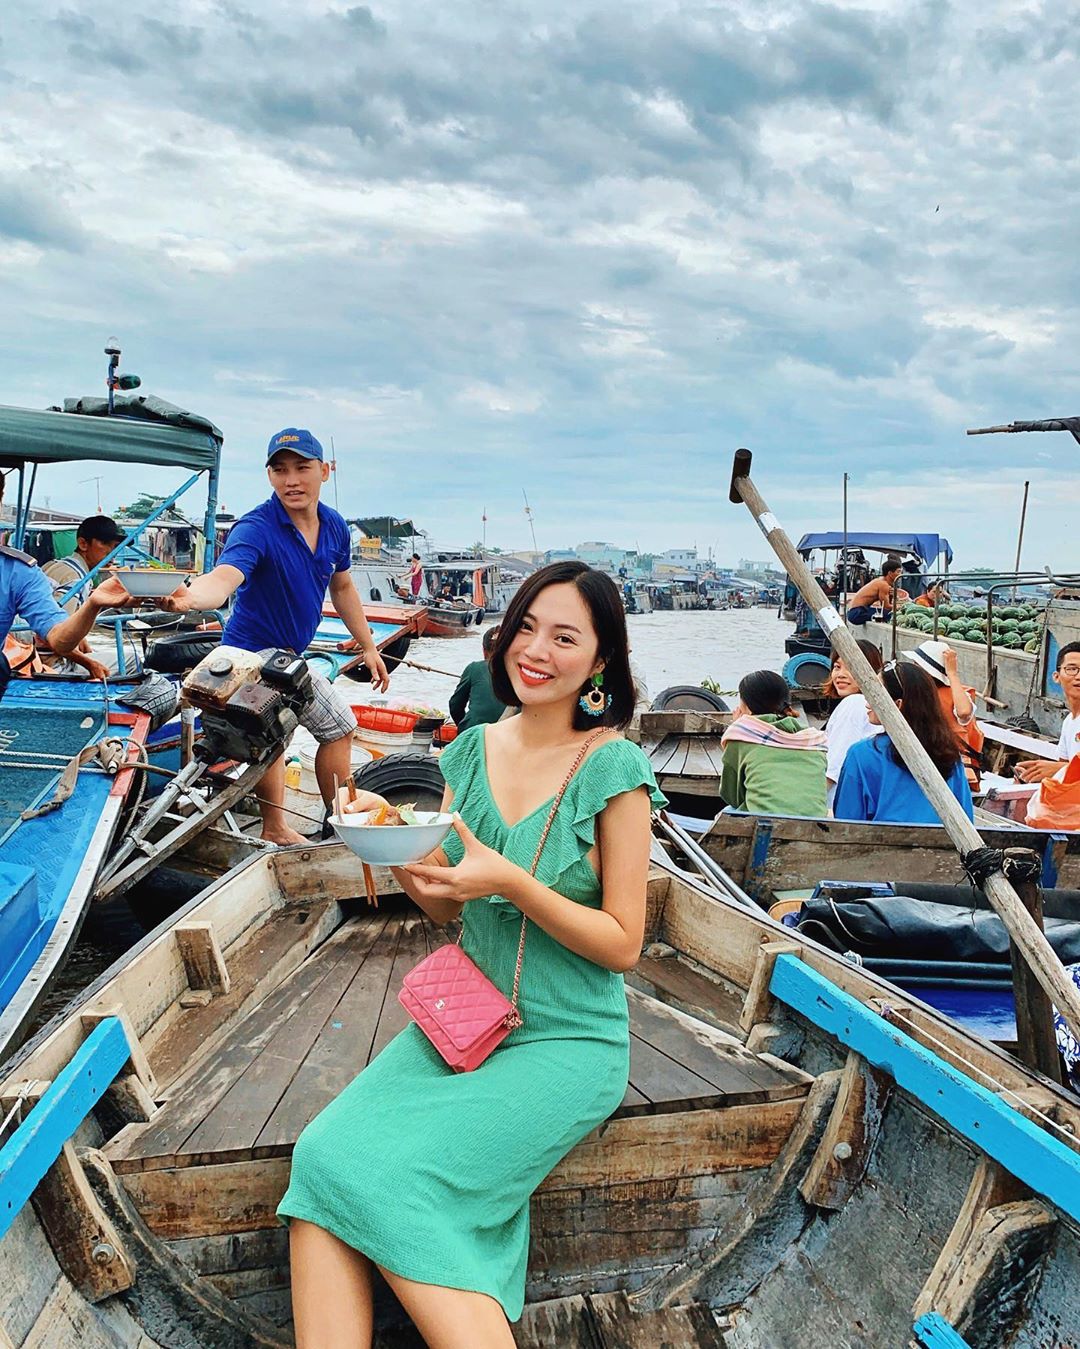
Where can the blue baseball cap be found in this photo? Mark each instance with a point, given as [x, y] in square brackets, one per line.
[297, 440]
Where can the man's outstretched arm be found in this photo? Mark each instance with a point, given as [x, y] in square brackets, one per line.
[65, 637]
[209, 591]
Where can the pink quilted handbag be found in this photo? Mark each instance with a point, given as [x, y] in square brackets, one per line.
[453, 1001]
[457, 1007]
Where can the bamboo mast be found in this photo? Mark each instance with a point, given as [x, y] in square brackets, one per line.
[1021, 926]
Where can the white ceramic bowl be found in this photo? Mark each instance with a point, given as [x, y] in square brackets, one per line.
[150, 583]
[392, 845]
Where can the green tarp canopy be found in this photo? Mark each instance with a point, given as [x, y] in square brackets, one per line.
[386, 527]
[142, 430]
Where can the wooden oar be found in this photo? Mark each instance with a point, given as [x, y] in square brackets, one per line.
[1022, 928]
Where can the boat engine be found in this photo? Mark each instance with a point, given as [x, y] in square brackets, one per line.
[249, 704]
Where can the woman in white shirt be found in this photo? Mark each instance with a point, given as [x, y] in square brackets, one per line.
[848, 721]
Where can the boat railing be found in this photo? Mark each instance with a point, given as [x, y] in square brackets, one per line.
[1028, 1150]
[41, 1137]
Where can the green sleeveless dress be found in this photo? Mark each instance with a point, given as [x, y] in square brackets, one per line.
[428, 1171]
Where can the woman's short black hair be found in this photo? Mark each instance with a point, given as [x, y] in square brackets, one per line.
[608, 617]
[491, 636]
[764, 693]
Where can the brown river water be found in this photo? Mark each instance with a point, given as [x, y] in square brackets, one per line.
[668, 648]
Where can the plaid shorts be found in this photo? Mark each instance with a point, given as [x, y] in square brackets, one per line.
[329, 717]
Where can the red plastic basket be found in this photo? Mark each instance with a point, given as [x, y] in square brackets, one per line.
[446, 732]
[389, 719]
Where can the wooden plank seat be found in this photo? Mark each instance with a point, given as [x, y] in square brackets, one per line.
[671, 979]
[255, 1091]
[687, 763]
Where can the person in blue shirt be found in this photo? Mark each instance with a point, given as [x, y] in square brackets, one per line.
[874, 783]
[27, 592]
[279, 560]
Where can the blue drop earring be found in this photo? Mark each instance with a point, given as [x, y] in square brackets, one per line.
[595, 703]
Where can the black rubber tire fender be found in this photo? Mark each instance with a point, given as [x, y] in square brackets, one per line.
[180, 652]
[688, 698]
[408, 775]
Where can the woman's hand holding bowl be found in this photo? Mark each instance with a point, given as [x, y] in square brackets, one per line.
[480, 873]
[358, 802]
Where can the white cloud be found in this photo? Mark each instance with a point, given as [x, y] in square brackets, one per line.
[593, 248]
[503, 401]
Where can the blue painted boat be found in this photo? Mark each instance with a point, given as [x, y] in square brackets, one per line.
[804, 1156]
[48, 864]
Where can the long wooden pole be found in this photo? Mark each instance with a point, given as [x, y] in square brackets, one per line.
[1021, 926]
[1020, 538]
[847, 564]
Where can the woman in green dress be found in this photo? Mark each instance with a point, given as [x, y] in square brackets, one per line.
[426, 1173]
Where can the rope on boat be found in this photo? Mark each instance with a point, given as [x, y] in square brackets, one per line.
[981, 863]
[62, 759]
[21, 1098]
[38, 767]
[110, 751]
[919, 1032]
[1018, 864]
[415, 665]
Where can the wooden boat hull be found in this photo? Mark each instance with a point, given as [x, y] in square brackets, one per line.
[716, 1208]
[48, 865]
[769, 855]
[684, 750]
[393, 633]
[440, 622]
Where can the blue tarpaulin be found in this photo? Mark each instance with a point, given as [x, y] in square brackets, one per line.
[925, 546]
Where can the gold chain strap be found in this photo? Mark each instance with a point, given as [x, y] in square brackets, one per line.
[540, 848]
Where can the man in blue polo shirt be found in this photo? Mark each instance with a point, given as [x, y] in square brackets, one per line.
[280, 559]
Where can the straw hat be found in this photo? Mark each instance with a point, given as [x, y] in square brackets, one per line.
[930, 658]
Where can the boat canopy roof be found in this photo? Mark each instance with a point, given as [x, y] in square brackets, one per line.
[458, 565]
[141, 430]
[385, 527]
[924, 546]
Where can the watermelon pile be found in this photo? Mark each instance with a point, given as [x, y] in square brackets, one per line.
[1013, 627]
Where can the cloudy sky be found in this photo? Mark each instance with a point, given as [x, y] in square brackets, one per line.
[579, 249]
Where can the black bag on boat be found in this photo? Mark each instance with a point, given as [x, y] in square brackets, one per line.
[898, 928]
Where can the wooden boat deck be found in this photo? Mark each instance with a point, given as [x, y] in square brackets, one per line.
[690, 1221]
[688, 763]
[684, 749]
[251, 1095]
